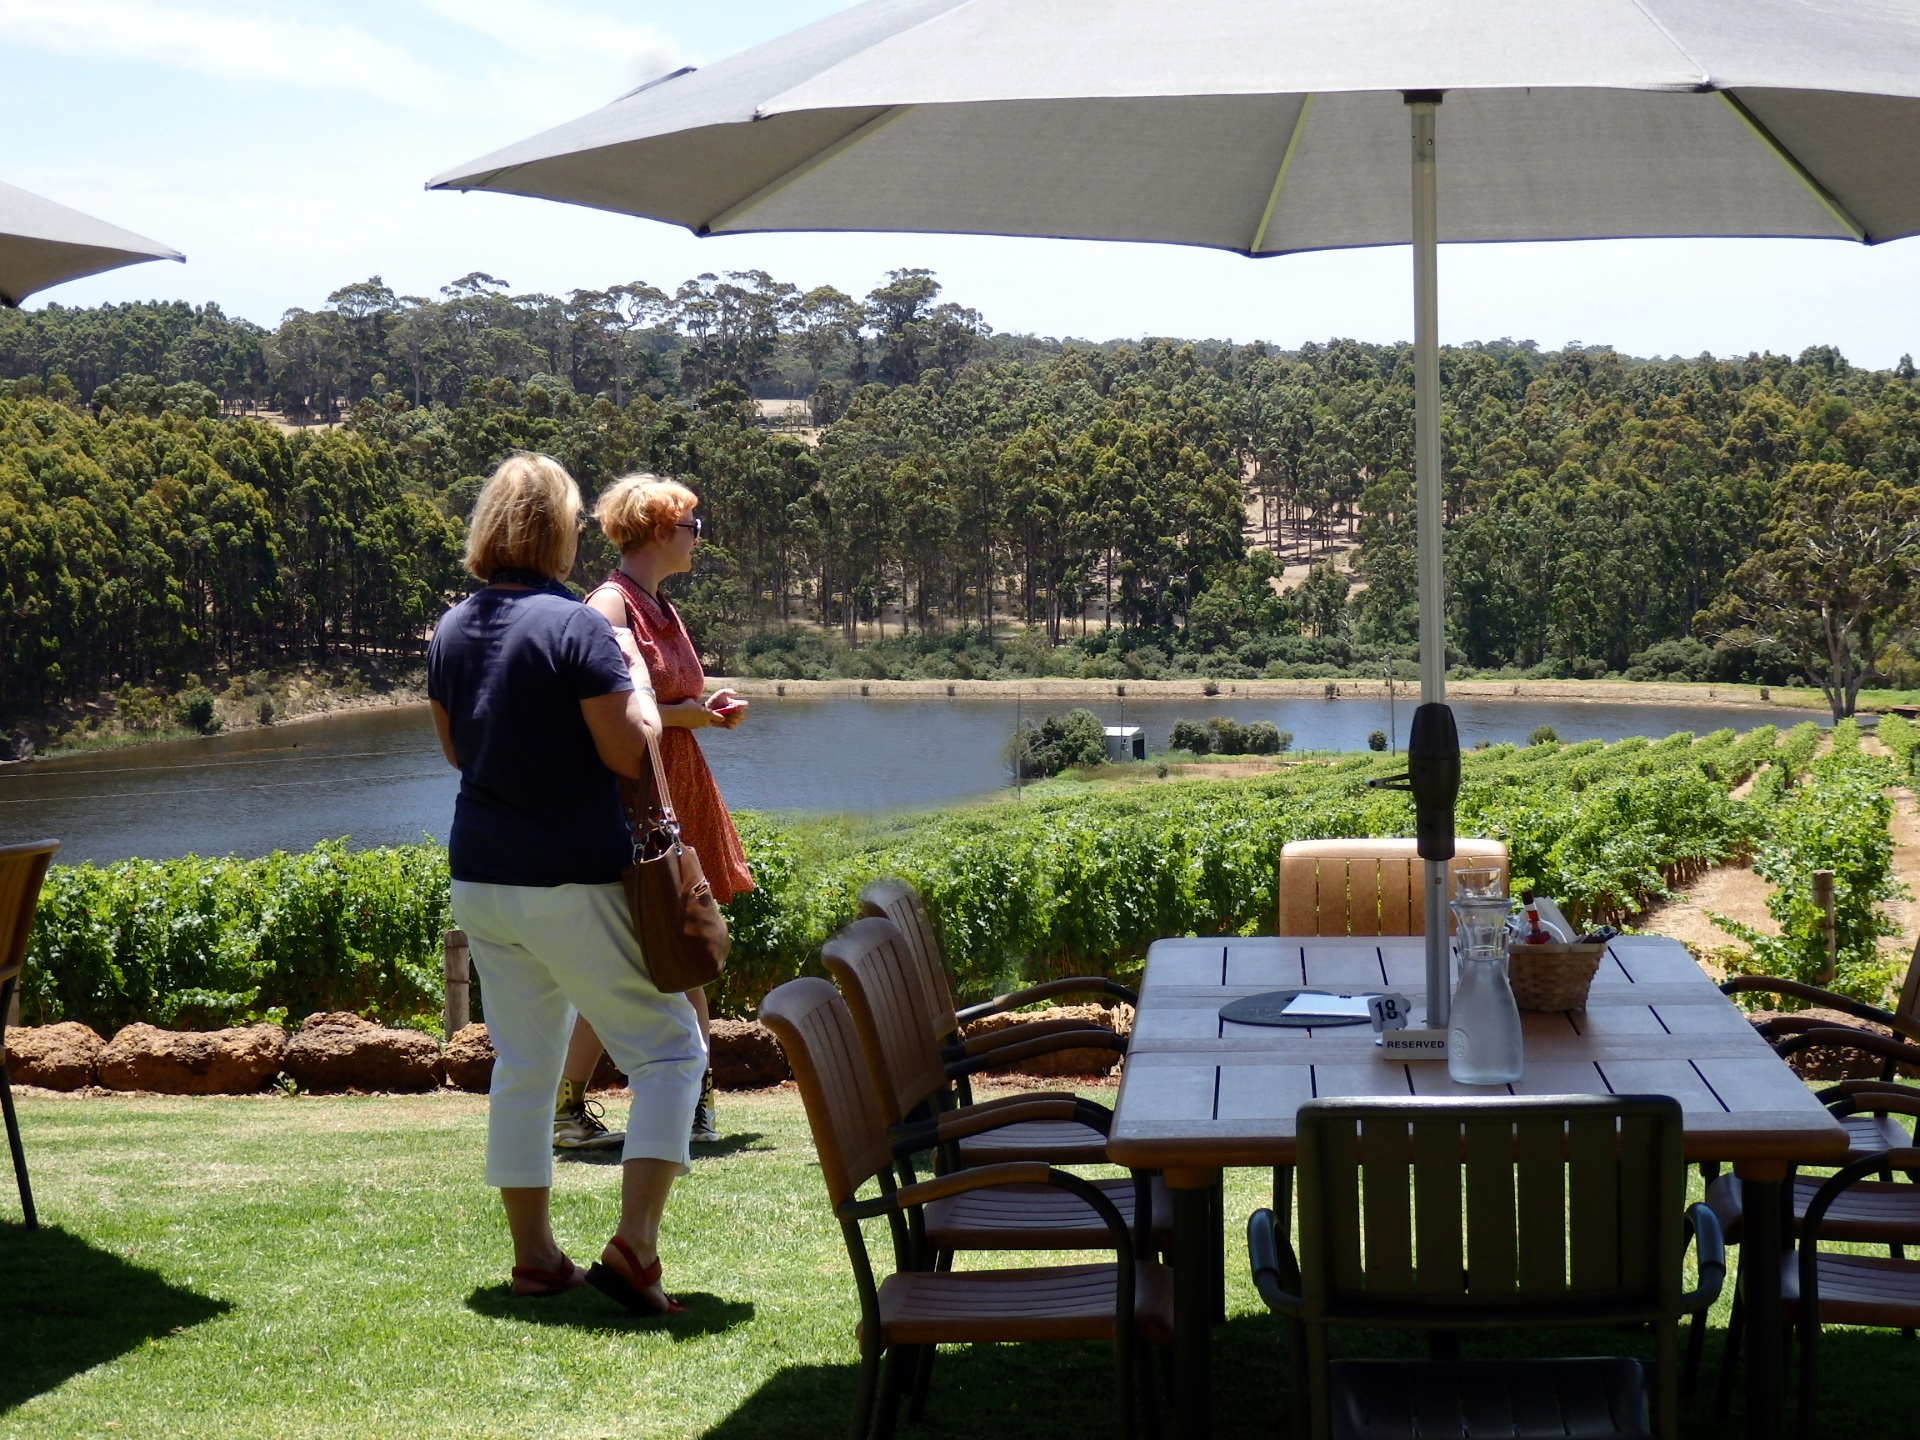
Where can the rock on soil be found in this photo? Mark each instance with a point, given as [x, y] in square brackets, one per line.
[469, 1059]
[339, 1051]
[172, 1062]
[745, 1055]
[1085, 1061]
[59, 1057]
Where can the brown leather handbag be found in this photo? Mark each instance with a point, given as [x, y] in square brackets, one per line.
[683, 936]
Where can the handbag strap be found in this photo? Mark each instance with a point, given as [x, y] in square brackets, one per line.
[664, 795]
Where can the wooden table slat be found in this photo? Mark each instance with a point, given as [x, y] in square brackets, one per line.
[1248, 1092]
[1344, 969]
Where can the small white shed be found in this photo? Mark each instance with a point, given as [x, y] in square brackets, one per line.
[1126, 742]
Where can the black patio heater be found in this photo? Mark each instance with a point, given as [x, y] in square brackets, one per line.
[1433, 778]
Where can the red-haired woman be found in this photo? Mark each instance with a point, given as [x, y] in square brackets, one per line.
[651, 519]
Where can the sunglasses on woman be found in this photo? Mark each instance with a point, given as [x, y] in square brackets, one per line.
[694, 525]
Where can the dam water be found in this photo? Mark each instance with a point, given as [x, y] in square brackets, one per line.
[378, 778]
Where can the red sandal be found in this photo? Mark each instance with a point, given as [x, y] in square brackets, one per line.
[631, 1293]
[530, 1282]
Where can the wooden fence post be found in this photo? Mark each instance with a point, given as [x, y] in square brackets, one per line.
[1823, 897]
[459, 972]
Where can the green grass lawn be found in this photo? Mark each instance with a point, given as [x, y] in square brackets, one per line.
[274, 1267]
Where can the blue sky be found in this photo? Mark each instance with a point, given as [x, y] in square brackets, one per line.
[283, 147]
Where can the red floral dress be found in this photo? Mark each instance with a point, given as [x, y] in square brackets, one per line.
[677, 675]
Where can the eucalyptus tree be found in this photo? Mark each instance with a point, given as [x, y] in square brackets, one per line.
[1835, 577]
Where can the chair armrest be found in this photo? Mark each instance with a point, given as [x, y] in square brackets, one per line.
[1781, 1026]
[1851, 1039]
[1904, 1157]
[1812, 994]
[1852, 1089]
[1071, 985]
[954, 1125]
[1013, 1172]
[1039, 1045]
[1710, 1246]
[1270, 1276]
[1894, 1100]
[1013, 1034]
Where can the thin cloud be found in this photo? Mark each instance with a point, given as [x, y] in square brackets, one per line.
[569, 37]
[251, 42]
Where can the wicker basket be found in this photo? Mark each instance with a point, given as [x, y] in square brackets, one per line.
[1552, 977]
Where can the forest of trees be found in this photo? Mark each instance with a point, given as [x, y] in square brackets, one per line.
[762, 334]
[1699, 519]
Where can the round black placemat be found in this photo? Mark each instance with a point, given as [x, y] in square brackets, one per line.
[1266, 1010]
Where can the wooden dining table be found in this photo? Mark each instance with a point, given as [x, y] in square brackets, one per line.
[1201, 1094]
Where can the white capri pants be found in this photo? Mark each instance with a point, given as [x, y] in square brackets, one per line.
[543, 954]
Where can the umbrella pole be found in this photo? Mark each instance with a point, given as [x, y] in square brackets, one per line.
[1421, 104]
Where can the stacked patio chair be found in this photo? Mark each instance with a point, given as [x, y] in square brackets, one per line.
[1825, 1286]
[899, 902]
[1119, 1301]
[1365, 886]
[1861, 1204]
[914, 1085]
[1572, 1216]
[22, 870]
[932, 1080]
[1868, 1132]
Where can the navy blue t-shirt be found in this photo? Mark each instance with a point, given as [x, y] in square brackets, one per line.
[536, 805]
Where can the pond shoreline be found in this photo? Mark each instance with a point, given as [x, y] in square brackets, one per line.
[1617, 692]
[1800, 702]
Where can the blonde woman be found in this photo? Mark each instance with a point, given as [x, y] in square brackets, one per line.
[651, 519]
[538, 709]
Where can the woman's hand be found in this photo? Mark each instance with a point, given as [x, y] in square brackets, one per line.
[726, 707]
[687, 715]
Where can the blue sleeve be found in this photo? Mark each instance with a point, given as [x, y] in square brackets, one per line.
[590, 659]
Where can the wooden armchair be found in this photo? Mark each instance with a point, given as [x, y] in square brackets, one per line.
[1572, 1216]
[1869, 1129]
[911, 1082]
[1117, 1301]
[22, 870]
[899, 902]
[894, 1015]
[1365, 886]
[1830, 1286]
[1903, 1020]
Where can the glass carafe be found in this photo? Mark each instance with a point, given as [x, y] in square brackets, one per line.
[1483, 1041]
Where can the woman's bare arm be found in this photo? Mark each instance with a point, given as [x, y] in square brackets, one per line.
[620, 723]
[443, 726]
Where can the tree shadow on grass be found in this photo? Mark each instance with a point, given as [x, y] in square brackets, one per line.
[66, 1306]
[1025, 1392]
[1864, 1385]
[712, 1150]
[587, 1309]
[1063, 1392]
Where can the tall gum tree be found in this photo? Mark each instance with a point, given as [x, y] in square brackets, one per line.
[1834, 578]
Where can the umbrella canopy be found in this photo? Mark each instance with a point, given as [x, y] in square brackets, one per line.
[1272, 127]
[43, 244]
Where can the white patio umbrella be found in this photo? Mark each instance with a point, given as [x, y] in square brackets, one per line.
[1272, 126]
[43, 243]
